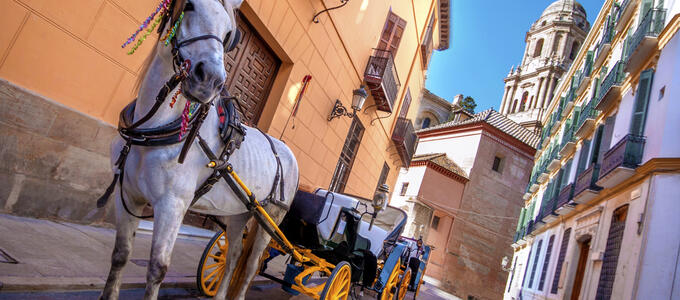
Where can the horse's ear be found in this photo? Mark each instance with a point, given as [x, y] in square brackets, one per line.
[233, 3]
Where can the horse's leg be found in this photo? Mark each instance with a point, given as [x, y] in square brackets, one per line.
[235, 226]
[168, 215]
[126, 225]
[262, 239]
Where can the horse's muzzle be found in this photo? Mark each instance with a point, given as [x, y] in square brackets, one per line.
[205, 81]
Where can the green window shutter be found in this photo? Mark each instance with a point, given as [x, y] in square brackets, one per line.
[565, 177]
[645, 7]
[520, 221]
[589, 63]
[577, 114]
[583, 156]
[596, 145]
[637, 122]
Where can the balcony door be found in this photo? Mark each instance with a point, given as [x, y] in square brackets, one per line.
[584, 249]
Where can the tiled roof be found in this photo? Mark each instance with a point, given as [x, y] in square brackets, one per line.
[497, 120]
[441, 160]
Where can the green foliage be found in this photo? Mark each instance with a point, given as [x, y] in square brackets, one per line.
[468, 104]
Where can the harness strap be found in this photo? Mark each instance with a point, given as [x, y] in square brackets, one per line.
[278, 178]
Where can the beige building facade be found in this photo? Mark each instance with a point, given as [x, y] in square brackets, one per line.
[552, 43]
[65, 78]
[600, 215]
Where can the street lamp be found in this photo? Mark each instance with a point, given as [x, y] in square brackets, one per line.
[358, 98]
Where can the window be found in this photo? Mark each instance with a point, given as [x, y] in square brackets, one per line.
[560, 260]
[523, 104]
[383, 175]
[538, 48]
[404, 187]
[535, 264]
[546, 261]
[574, 50]
[611, 253]
[497, 164]
[426, 46]
[435, 222]
[406, 104]
[512, 275]
[392, 32]
[514, 107]
[556, 44]
[426, 123]
[637, 122]
[347, 155]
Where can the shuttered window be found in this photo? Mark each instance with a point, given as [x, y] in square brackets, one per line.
[349, 152]
[426, 46]
[595, 154]
[526, 268]
[611, 254]
[583, 157]
[560, 260]
[535, 264]
[546, 261]
[392, 33]
[637, 123]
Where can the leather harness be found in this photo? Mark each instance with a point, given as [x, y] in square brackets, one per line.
[231, 132]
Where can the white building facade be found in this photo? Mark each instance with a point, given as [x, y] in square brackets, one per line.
[552, 43]
[600, 219]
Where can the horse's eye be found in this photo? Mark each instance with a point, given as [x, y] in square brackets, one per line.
[189, 6]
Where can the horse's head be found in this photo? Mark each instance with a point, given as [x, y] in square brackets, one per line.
[207, 29]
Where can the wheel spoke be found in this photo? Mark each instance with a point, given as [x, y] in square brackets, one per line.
[212, 273]
[212, 265]
[216, 257]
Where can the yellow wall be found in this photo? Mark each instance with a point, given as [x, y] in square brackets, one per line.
[69, 51]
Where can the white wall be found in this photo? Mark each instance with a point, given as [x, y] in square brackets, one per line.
[660, 255]
[460, 147]
[414, 177]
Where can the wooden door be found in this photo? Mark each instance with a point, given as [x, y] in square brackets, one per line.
[580, 269]
[251, 69]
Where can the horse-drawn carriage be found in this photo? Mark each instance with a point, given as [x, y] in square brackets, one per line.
[361, 238]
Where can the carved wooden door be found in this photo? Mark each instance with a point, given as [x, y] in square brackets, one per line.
[251, 69]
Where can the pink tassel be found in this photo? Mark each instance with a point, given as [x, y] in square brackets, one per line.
[185, 120]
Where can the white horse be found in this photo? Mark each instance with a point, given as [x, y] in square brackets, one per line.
[153, 175]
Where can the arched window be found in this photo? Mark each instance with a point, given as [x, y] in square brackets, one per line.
[574, 50]
[426, 123]
[556, 43]
[514, 107]
[538, 48]
[523, 104]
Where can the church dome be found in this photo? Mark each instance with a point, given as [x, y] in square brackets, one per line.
[564, 6]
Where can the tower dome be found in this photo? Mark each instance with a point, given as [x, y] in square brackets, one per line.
[564, 6]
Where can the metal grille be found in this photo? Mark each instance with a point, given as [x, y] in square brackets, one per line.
[533, 268]
[560, 260]
[383, 175]
[545, 262]
[611, 254]
[349, 152]
[512, 275]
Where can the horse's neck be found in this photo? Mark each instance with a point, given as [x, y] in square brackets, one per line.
[158, 74]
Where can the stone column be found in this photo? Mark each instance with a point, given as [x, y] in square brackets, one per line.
[504, 99]
[545, 91]
[512, 99]
[532, 105]
[553, 83]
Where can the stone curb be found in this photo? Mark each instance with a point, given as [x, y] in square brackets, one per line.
[23, 284]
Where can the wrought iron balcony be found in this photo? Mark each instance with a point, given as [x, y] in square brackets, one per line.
[585, 187]
[406, 140]
[623, 13]
[568, 144]
[586, 120]
[530, 227]
[564, 200]
[620, 162]
[382, 79]
[641, 44]
[583, 77]
[610, 88]
[604, 45]
[548, 210]
[554, 159]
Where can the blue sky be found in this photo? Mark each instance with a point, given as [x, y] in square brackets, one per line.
[488, 38]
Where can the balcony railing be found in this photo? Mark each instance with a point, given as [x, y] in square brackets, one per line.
[626, 153]
[605, 43]
[587, 181]
[406, 140]
[624, 12]
[382, 79]
[610, 87]
[565, 196]
[644, 40]
[586, 120]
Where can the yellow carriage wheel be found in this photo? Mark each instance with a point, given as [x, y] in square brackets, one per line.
[338, 284]
[212, 265]
[403, 285]
[390, 288]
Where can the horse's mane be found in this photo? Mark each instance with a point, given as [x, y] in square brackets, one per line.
[176, 8]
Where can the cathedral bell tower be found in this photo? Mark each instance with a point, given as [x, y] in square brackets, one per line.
[551, 45]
